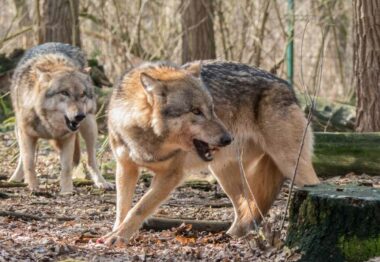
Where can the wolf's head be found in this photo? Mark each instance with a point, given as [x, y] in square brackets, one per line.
[67, 96]
[183, 112]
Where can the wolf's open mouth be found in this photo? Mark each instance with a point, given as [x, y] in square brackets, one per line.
[204, 150]
[72, 125]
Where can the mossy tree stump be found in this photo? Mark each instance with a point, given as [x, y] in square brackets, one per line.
[330, 223]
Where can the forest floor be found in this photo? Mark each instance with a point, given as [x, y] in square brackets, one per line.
[51, 227]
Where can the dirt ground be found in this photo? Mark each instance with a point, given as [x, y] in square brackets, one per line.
[65, 228]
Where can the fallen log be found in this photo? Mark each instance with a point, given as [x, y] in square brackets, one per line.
[158, 223]
[3, 195]
[5, 184]
[338, 154]
[23, 216]
[330, 223]
[28, 217]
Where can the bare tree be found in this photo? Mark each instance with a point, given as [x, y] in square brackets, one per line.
[198, 40]
[59, 21]
[24, 21]
[367, 64]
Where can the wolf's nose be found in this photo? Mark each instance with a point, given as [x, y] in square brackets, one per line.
[79, 117]
[225, 140]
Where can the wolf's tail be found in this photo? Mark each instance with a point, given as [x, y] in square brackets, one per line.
[76, 156]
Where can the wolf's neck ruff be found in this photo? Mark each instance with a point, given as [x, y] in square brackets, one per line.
[144, 156]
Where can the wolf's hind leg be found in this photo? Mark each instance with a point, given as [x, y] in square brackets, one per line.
[229, 179]
[89, 132]
[265, 182]
[283, 143]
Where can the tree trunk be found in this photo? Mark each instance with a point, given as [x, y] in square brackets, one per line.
[367, 64]
[198, 40]
[329, 223]
[24, 21]
[59, 21]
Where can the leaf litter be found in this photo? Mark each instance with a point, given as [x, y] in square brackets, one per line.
[65, 228]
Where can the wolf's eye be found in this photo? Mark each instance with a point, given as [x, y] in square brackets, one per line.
[65, 93]
[196, 111]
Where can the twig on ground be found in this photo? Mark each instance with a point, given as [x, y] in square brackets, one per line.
[18, 215]
[28, 217]
[11, 184]
[198, 225]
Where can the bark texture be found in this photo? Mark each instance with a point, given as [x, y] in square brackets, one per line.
[59, 21]
[24, 21]
[367, 64]
[198, 41]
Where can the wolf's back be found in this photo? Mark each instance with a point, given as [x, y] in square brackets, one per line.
[72, 52]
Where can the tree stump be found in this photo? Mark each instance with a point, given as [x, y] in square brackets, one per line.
[332, 223]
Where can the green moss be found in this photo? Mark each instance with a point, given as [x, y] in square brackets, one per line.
[308, 212]
[355, 249]
[79, 182]
[340, 153]
[320, 215]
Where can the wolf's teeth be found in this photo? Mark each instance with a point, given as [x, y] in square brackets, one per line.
[208, 155]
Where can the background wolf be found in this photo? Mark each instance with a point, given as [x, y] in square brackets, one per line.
[53, 98]
[163, 118]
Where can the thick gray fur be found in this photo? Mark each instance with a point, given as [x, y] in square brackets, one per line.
[73, 53]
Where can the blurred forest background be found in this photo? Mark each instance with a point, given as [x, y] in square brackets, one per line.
[121, 34]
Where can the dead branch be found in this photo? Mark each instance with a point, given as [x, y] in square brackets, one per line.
[12, 184]
[22, 216]
[28, 217]
[157, 223]
[3, 195]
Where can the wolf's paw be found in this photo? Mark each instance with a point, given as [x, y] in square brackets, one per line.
[112, 240]
[239, 230]
[67, 191]
[33, 187]
[105, 185]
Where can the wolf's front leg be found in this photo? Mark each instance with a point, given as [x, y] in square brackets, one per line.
[126, 179]
[18, 174]
[66, 152]
[162, 185]
[89, 132]
[27, 155]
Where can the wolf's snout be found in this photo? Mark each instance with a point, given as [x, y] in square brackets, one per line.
[79, 117]
[225, 140]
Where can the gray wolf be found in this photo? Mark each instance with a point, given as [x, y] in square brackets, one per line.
[54, 98]
[170, 119]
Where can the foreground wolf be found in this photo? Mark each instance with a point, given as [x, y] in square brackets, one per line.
[53, 98]
[170, 119]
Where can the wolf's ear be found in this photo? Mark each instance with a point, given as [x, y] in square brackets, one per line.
[193, 68]
[150, 84]
[86, 70]
[42, 73]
